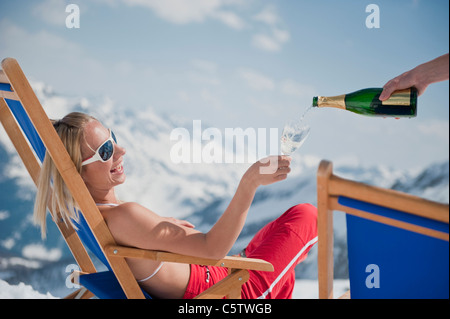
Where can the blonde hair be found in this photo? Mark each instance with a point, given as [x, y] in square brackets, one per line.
[52, 191]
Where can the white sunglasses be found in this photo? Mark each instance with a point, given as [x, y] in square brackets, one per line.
[104, 152]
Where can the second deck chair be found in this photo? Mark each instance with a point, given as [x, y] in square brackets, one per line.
[397, 243]
[32, 134]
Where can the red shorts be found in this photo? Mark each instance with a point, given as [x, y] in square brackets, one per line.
[284, 243]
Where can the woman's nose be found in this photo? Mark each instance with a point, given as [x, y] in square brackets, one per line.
[119, 151]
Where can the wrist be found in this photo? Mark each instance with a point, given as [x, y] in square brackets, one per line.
[248, 183]
[432, 71]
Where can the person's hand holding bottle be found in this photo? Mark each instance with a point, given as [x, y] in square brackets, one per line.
[420, 77]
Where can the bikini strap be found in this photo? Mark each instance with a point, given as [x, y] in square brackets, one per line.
[153, 274]
[106, 204]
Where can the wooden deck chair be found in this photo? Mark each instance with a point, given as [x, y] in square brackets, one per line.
[32, 134]
[397, 243]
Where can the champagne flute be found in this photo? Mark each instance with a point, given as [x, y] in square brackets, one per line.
[293, 136]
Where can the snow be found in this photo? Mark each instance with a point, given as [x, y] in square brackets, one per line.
[21, 291]
[39, 252]
[304, 289]
[309, 289]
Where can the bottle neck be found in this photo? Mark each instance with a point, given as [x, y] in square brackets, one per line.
[330, 101]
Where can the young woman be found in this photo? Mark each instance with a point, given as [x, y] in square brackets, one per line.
[284, 242]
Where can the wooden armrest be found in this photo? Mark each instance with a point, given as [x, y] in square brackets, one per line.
[229, 262]
[229, 286]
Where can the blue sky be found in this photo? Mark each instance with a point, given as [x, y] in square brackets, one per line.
[245, 63]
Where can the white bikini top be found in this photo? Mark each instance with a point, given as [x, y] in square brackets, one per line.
[160, 265]
[106, 204]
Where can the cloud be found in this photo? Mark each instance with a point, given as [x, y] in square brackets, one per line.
[266, 43]
[205, 66]
[291, 87]
[183, 12]
[65, 64]
[17, 41]
[271, 42]
[204, 72]
[268, 16]
[256, 80]
[436, 128]
[211, 100]
[230, 19]
[66, 58]
[4, 214]
[51, 11]
[37, 251]
[197, 11]
[273, 39]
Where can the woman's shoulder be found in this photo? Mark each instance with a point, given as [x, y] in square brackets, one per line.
[129, 206]
[129, 221]
[125, 210]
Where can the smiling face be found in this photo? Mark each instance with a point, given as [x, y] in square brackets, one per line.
[101, 177]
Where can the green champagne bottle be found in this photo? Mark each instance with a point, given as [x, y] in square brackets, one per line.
[402, 103]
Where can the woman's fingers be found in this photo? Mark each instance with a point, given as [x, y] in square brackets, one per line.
[274, 168]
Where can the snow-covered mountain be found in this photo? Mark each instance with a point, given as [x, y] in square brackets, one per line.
[196, 192]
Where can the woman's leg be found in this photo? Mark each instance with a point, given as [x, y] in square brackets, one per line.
[285, 242]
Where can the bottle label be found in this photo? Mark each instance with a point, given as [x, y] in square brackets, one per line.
[332, 101]
[401, 97]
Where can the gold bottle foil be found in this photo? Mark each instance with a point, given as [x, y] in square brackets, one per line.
[401, 97]
[332, 101]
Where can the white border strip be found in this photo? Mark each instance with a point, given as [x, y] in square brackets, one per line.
[308, 244]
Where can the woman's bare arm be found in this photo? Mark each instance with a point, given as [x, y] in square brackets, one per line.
[134, 225]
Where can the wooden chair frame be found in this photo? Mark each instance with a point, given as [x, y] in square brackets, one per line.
[330, 187]
[12, 74]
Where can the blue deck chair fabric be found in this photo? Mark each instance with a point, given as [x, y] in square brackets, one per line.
[390, 262]
[25, 123]
[87, 237]
[103, 284]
